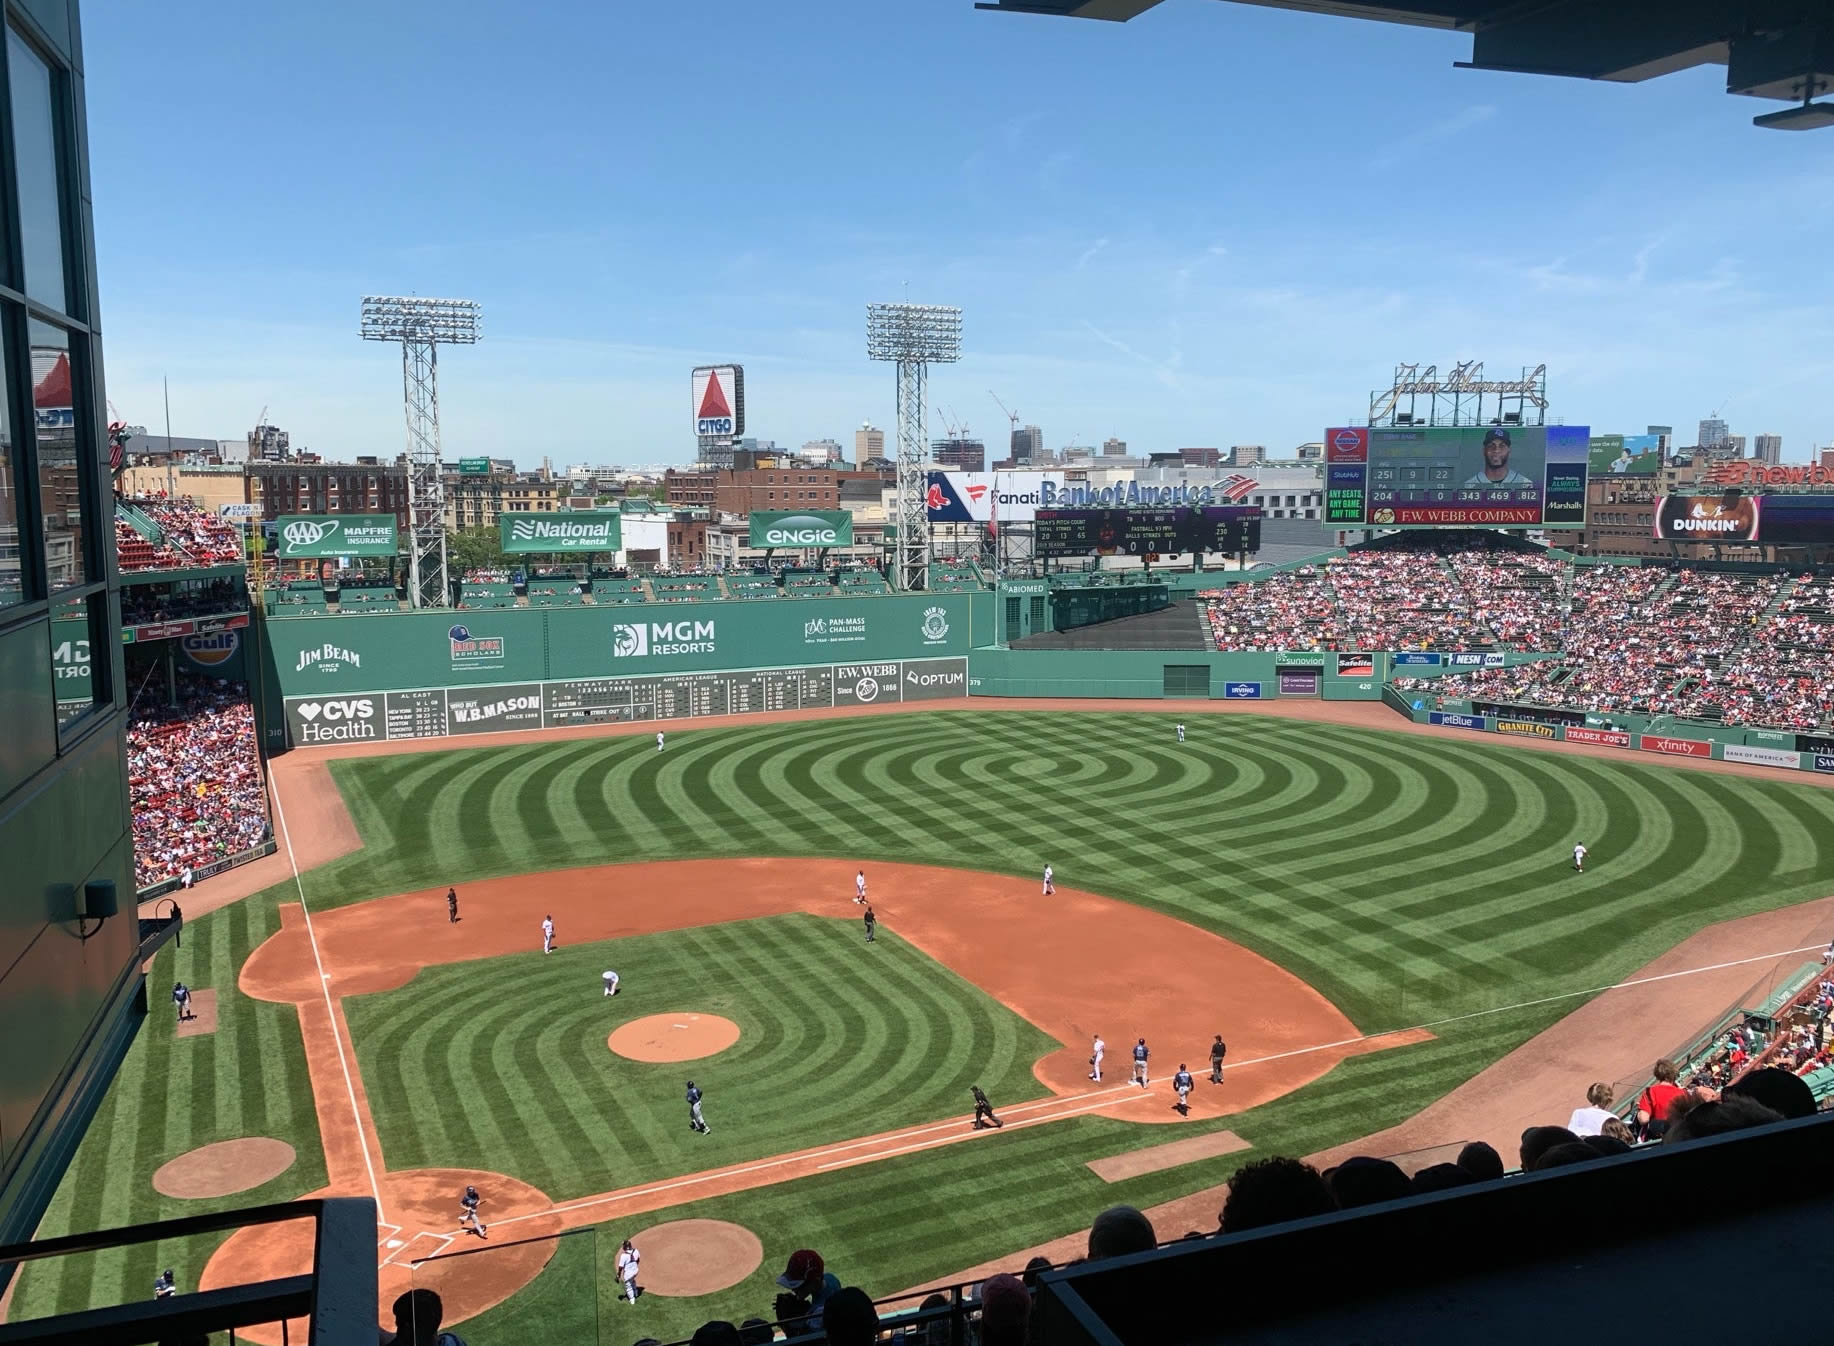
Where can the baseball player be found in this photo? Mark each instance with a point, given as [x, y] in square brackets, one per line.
[1049, 886]
[628, 1258]
[1182, 1083]
[611, 982]
[1181, 731]
[163, 1286]
[658, 740]
[468, 1214]
[983, 1110]
[181, 997]
[1096, 1053]
[451, 906]
[547, 934]
[871, 921]
[859, 888]
[1579, 857]
[696, 1122]
[1217, 1052]
[1140, 1055]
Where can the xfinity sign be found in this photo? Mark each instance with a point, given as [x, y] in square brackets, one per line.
[572, 531]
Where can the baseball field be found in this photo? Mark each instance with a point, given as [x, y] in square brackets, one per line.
[1370, 916]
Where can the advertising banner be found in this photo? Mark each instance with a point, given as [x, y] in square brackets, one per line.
[1476, 660]
[801, 528]
[1415, 658]
[1732, 517]
[1738, 752]
[1356, 665]
[866, 684]
[1606, 738]
[1528, 729]
[1242, 691]
[490, 709]
[717, 393]
[315, 535]
[1300, 682]
[1452, 721]
[568, 531]
[1456, 476]
[935, 679]
[1677, 747]
[1625, 456]
[474, 467]
[1824, 761]
[983, 497]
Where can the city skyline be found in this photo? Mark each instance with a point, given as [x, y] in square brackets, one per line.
[1249, 280]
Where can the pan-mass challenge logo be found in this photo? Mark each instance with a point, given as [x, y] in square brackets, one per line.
[635, 639]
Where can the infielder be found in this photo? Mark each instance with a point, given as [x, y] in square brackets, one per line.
[1049, 886]
[658, 740]
[1096, 1053]
[696, 1122]
[547, 934]
[468, 1215]
[628, 1258]
[1181, 732]
[1182, 1083]
[1140, 1055]
[859, 888]
[611, 982]
[1579, 857]
[1217, 1052]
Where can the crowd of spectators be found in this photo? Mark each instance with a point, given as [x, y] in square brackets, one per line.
[194, 775]
[1781, 676]
[145, 603]
[194, 532]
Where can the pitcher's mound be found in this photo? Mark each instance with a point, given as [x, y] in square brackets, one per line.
[674, 1037]
[225, 1167]
[685, 1258]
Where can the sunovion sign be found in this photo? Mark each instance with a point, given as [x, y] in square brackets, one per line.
[801, 528]
[575, 530]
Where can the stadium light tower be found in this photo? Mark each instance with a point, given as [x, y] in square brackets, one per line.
[915, 336]
[422, 326]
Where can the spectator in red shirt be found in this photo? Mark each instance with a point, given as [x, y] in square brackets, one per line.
[1655, 1102]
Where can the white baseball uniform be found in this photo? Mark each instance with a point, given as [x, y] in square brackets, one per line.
[1181, 733]
[1049, 887]
[611, 982]
[859, 886]
[547, 934]
[1101, 1050]
[658, 740]
[627, 1271]
[1579, 857]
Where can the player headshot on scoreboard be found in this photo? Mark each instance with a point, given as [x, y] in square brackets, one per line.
[1497, 471]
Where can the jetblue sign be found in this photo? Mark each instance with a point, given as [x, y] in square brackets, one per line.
[1242, 691]
[1452, 721]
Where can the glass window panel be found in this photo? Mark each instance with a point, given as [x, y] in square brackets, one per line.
[60, 496]
[41, 216]
[11, 588]
[73, 646]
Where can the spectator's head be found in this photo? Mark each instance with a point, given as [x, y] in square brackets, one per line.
[1481, 1161]
[1006, 1311]
[756, 1332]
[849, 1319]
[1616, 1128]
[1783, 1092]
[1666, 1072]
[1273, 1191]
[1120, 1230]
[1363, 1181]
[1559, 1156]
[417, 1317]
[1441, 1178]
[1034, 1269]
[1601, 1095]
[719, 1332]
[1607, 1145]
[1538, 1140]
[1734, 1113]
[803, 1274]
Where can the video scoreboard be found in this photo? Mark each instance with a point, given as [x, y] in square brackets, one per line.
[1520, 476]
[1147, 532]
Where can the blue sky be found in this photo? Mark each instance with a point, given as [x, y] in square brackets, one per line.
[1213, 225]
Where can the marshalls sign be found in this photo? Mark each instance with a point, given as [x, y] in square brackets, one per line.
[575, 530]
[801, 528]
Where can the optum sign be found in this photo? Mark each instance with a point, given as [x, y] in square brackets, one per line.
[802, 528]
[580, 530]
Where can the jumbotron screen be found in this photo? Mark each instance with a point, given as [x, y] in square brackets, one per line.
[1518, 476]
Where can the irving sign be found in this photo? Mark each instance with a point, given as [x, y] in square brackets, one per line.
[571, 530]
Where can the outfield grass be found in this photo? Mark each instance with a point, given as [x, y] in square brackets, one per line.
[1411, 878]
[838, 1038]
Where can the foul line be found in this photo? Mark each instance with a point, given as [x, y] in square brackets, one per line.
[1528, 1004]
[975, 1135]
[324, 988]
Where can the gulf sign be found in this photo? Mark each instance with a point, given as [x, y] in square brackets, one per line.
[718, 393]
[212, 648]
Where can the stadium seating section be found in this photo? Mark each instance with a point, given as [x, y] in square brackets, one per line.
[156, 533]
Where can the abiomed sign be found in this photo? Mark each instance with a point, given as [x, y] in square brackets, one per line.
[316, 535]
[801, 528]
[574, 530]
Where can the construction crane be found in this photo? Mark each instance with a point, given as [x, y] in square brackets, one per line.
[1012, 416]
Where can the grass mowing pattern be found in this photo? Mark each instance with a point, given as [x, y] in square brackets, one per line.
[839, 1038]
[171, 1096]
[1408, 877]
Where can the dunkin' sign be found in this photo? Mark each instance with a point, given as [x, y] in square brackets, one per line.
[1677, 747]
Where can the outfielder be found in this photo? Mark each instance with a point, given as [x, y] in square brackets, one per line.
[1579, 857]
[1140, 1055]
[859, 888]
[696, 1122]
[1049, 886]
[468, 1215]
[1096, 1053]
[1182, 1083]
[547, 934]
[658, 740]
[611, 982]
[1181, 731]
[628, 1258]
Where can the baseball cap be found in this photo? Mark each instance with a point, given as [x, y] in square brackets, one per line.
[805, 1265]
[1495, 434]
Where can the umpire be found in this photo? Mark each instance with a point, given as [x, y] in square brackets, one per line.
[983, 1110]
[1217, 1052]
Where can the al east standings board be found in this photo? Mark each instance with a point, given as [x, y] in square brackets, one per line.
[1521, 476]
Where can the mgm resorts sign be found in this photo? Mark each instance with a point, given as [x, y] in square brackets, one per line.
[801, 528]
[566, 531]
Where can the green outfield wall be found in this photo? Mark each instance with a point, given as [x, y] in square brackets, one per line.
[1156, 674]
